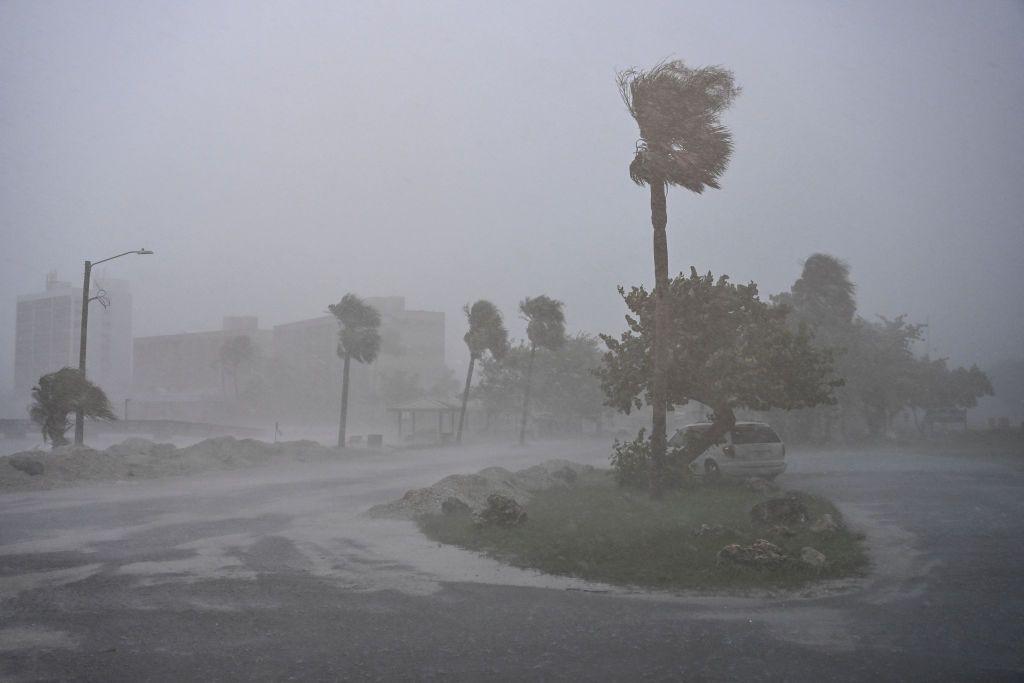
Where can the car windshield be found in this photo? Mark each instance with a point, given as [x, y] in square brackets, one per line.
[747, 434]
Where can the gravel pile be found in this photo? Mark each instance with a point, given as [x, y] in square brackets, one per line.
[474, 489]
[143, 459]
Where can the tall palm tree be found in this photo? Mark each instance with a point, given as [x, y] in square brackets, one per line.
[824, 294]
[545, 328]
[682, 142]
[61, 393]
[486, 333]
[358, 338]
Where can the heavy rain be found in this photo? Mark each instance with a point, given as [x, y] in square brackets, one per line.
[511, 341]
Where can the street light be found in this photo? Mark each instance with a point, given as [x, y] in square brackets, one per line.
[79, 415]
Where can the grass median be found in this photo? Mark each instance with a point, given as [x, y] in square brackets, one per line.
[598, 531]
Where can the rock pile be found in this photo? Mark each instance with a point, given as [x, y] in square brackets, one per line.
[812, 557]
[824, 524]
[763, 554]
[760, 553]
[454, 506]
[27, 464]
[502, 511]
[475, 489]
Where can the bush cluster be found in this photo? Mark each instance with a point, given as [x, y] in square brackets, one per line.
[631, 464]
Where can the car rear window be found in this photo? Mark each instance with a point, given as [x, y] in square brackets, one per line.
[744, 434]
[686, 436]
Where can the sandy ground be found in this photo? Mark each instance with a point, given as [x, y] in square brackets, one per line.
[277, 572]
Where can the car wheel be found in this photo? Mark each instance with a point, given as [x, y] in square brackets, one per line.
[712, 474]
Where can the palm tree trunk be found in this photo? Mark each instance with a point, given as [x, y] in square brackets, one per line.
[659, 399]
[465, 399]
[526, 396]
[344, 401]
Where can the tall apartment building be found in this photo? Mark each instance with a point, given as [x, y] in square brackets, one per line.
[47, 333]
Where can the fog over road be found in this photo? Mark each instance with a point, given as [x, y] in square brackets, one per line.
[275, 574]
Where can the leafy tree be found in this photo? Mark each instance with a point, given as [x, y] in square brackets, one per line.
[683, 143]
[880, 371]
[486, 333]
[235, 351]
[63, 392]
[545, 328]
[727, 349]
[564, 385]
[876, 358]
[823, 295]
[358, 338]
[822, 298]
[567, 384]
[936, 388]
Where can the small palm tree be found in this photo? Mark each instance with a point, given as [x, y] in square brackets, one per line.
[63, 392]
[359, 338]
[545, 329]
[682, 142]
[486, 333]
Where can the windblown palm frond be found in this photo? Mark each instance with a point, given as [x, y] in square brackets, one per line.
[63, 392]
[486, 330]
[545, 321]
[824, 289]
[682, 140]
[360, 328]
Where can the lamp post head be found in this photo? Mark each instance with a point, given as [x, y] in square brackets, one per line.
[143, 251]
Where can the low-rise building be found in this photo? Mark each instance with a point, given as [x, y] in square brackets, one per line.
[412, 342]
[295, 372]
[190, 364]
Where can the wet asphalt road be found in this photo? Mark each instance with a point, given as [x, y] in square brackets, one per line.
[274, 575]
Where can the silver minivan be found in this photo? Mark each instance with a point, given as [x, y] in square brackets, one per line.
[751, 449]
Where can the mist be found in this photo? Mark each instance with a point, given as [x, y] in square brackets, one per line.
[385, 387]
[275, 157]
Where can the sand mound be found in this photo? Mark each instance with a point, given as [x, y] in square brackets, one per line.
[473, 489]
[137, 458]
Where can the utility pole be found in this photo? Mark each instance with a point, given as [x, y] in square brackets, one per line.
[79, 415]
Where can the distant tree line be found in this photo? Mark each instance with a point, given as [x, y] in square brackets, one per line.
[883, 376]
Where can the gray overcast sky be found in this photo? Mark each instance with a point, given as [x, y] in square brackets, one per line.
[277, 155]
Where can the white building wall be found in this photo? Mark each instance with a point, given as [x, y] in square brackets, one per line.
[47, 330]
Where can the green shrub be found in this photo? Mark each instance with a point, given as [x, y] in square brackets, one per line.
[631, 461]
[631, 464]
